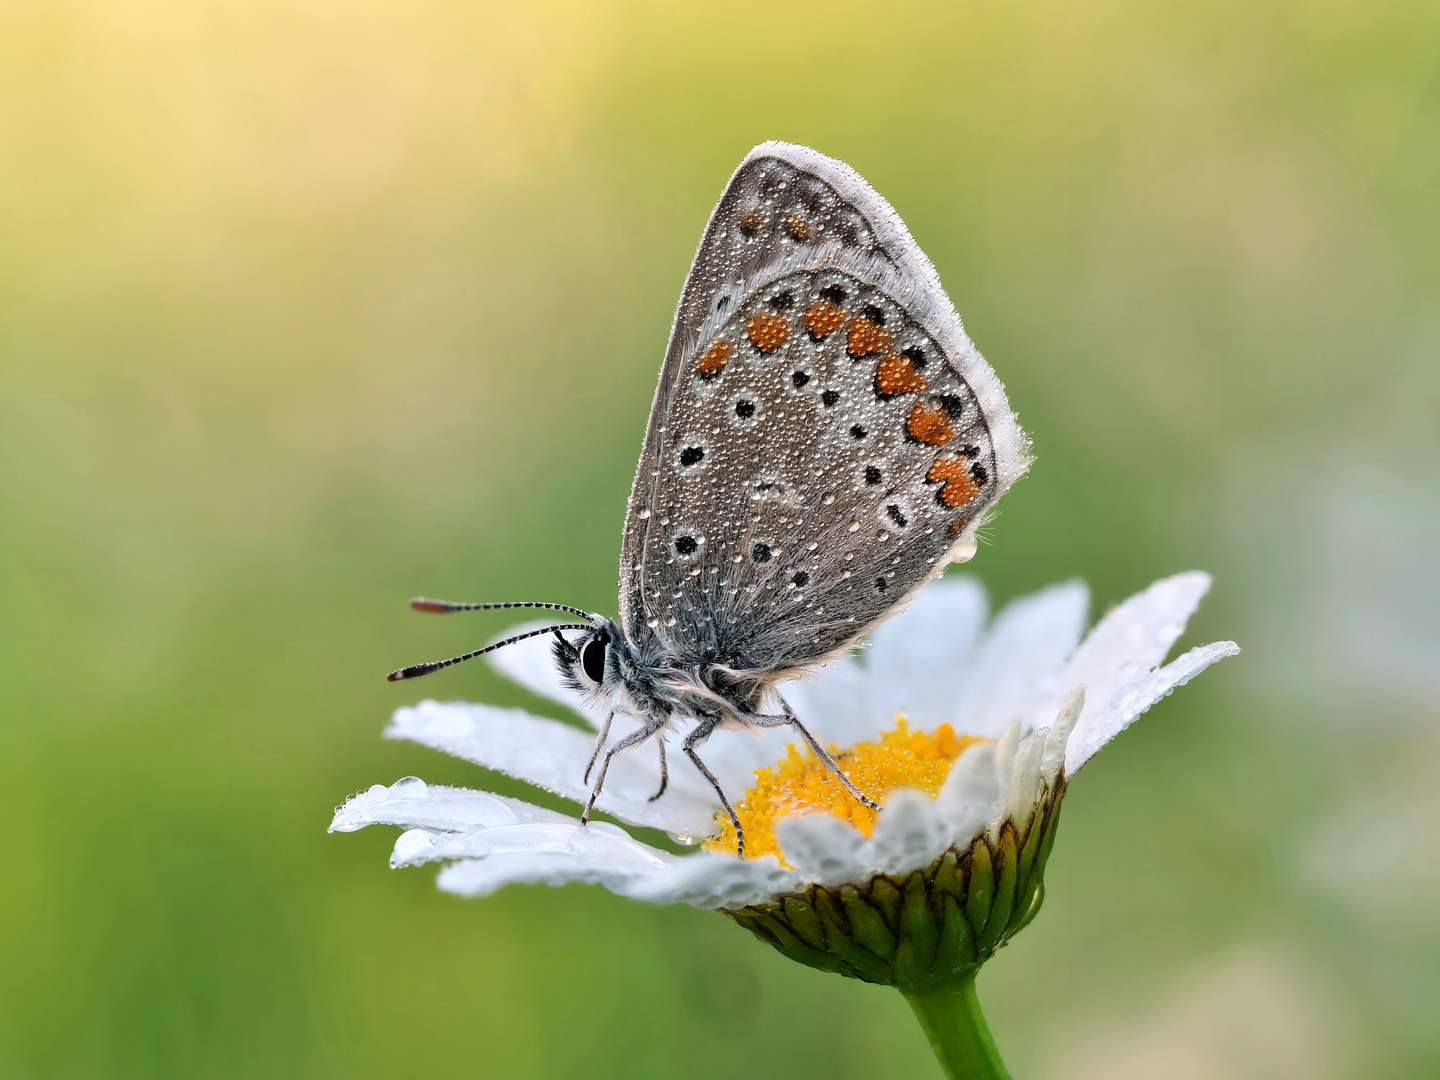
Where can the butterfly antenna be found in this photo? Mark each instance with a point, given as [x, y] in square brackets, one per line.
[444, 607]
[414, 671]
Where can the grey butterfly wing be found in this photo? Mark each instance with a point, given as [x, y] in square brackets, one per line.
[823, 433]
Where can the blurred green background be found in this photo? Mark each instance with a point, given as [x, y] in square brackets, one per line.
[308, 306]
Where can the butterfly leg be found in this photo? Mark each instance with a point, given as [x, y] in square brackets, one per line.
[694, 739]
[664, 770]
[599, 745]
[818, 750]
[635, 738]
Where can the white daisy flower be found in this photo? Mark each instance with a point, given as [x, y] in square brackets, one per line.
[966, 730]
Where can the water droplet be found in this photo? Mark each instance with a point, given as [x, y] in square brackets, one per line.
[963, 551]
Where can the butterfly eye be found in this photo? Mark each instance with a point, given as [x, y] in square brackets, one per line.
[592, 660]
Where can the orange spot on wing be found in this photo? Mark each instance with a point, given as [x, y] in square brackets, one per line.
[823, 319]
[751, 221]
[930, 426]
[897, 375]
[863, 338]
[714, 361]
[796, 227]
[960, 487]
[767, 332]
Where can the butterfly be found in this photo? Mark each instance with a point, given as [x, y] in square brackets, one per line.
[824, 440]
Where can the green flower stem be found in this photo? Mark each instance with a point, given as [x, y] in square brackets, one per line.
[956, 1028]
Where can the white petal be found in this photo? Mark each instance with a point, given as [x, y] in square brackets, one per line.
[413, 846]
[1005, 749]
[412, 803]
[702, 881]
[968, 797]
[917, 663]
[588, 855]
[503, 841]
[1036, 766]
[1134, 698]
[1126, 644]
[824, 849]
[909, 834]
[1021, 658]
[1021, 791]
[553, 756]
[598, 842]
[711, 881]
[1058, 737]
[481, 877]
[531, 664]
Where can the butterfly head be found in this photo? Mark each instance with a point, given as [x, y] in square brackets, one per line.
[598, 663]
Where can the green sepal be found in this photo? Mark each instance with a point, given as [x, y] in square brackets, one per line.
[770, 927]
[1048, 840]
[981, 889]
[949, 875]
[886, 899]
[866, 923]
[1024, 915]
[838, 940]
[919, 937]
[803, 920]
[917, 921]
[1030, 849]
[1004, 901]
[956, 950]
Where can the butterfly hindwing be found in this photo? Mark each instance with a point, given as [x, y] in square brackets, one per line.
[823, 434]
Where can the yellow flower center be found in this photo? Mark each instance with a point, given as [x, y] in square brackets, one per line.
[804, 785]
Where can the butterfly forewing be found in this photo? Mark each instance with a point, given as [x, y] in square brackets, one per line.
[823, 433]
